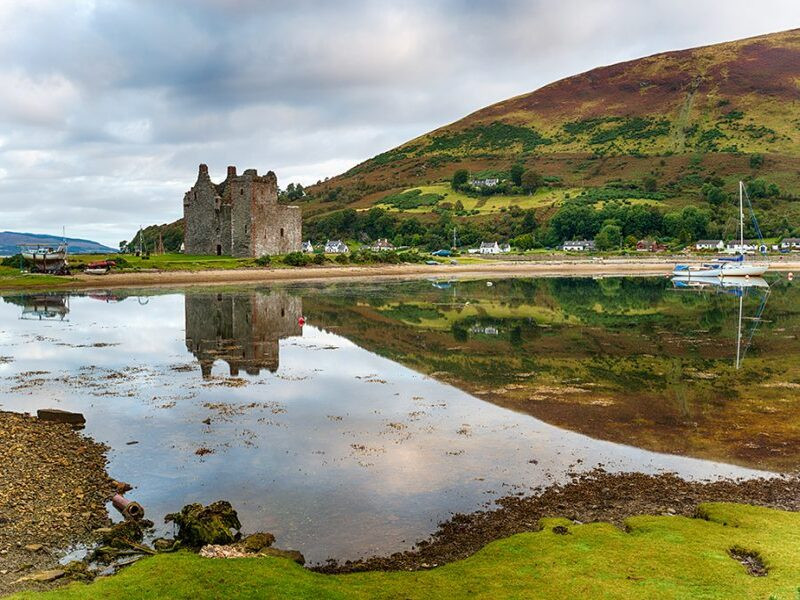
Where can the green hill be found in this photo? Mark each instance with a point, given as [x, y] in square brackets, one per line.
[659, 132]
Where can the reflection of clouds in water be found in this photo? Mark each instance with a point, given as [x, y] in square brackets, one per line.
[329, 475]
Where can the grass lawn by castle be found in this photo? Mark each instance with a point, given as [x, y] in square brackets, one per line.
[658, 557]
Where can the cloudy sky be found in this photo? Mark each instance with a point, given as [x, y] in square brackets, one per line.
[107, 107]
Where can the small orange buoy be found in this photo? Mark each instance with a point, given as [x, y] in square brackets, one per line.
[301, 321]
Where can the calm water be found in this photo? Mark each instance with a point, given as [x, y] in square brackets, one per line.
[395, 405]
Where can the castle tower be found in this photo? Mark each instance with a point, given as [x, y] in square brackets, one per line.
[201, 216]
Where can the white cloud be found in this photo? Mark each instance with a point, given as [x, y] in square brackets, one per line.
[41, 100]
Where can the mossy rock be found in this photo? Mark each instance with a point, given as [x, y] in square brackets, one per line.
[121, 533]
[258, 541]
[200, 525]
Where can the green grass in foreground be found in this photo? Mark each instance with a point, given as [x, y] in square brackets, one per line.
[659, 557]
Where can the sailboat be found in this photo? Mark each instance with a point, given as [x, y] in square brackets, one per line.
[729, 267]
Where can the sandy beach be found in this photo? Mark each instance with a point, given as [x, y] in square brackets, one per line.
[498, 269]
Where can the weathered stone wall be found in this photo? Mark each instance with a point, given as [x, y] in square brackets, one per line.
[201, 216]
[240, 217]
[239, 192]
[225, 228]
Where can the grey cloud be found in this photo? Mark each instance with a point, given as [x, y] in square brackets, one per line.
[107, 107]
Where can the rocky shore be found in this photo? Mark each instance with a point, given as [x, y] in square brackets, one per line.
[53, 490]
[597, 496]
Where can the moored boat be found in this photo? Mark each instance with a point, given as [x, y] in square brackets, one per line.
[729, 266]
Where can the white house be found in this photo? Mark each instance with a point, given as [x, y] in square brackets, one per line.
[485, 330]
[790, 244]
[336, 247]
[488, 182]
[489, 248]
[717, 245]
[578, 245]
[749, 247]
[308, 247]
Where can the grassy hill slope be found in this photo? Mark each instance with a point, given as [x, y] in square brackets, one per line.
[668, 122]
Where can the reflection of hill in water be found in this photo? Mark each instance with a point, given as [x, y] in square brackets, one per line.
[242, 329]
[625, 360]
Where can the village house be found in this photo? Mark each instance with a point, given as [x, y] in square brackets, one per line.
[486, 183]
[578, 246]
[749, 247]
[239, 217]
[308, 247]
[650, 246]
[488, 330]
[336, 247]
[790, 244]
[382, 245]
[714, 245]
[493, 248]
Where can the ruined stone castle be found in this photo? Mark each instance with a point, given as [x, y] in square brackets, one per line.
[239, 217]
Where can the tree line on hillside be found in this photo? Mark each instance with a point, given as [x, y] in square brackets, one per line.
[604, 214]
[430, 235]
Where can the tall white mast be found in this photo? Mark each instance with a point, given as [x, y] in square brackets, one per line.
[741, 217]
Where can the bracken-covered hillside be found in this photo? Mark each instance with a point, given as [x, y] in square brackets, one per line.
[726, 111]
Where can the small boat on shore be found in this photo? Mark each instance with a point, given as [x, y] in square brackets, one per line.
[101, 267]
[735, 266]
[45, 259]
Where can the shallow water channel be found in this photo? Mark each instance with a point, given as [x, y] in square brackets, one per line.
[394, 405]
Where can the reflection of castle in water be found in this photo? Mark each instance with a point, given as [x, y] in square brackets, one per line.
[244, 330]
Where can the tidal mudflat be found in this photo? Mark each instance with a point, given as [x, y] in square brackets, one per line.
[350, 420]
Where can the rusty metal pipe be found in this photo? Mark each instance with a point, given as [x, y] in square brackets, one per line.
[129, 509]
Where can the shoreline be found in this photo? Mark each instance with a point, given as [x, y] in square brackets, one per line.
[593, 497]
[611, 267]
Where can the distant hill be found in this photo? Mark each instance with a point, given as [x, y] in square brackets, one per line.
[652, 130]
[9, 241]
